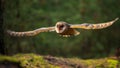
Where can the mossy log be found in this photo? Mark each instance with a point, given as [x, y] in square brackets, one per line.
[38, 61]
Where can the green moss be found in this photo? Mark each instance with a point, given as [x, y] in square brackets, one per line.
[33, 61]
[28, 61]
[103, 63]
[37, 61]
[7, 58]
[97, 63]
[112, 63]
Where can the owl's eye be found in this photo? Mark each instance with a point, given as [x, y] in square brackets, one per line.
[60, 26]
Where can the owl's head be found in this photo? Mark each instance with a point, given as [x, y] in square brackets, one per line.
[61, 27]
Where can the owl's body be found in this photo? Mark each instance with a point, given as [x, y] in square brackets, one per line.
[63, 28]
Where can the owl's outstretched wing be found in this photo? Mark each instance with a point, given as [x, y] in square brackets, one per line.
[31, 33]
[93, 26]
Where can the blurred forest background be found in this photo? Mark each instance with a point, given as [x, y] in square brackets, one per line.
[24, 15]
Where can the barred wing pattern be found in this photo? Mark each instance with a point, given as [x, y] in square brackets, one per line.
[93, 26]
[63, 28]
[31, 33]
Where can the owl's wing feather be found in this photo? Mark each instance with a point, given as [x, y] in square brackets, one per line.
[31, 33]
[93, 26]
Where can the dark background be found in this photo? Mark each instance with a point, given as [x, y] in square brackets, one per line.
[24, 15]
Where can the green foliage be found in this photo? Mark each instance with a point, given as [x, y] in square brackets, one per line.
[24, 15]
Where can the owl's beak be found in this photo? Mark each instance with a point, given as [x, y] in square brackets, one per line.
[60, 27]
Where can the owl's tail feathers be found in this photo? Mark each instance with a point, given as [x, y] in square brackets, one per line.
[76, 32]
[70, 32]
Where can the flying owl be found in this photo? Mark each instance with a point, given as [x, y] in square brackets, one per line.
[63, 29]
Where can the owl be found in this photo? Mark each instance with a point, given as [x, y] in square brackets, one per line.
[63, 28]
